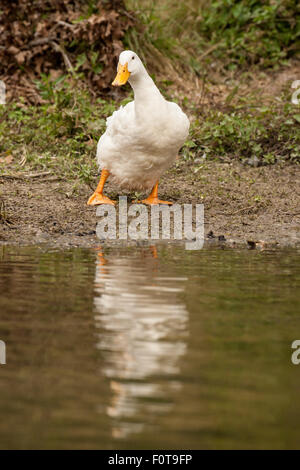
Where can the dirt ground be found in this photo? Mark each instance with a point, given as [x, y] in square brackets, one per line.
[242, 204]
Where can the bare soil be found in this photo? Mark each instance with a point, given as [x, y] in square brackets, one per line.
[257, 207]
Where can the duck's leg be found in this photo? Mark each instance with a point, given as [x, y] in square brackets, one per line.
[152, 199]
[98, 196]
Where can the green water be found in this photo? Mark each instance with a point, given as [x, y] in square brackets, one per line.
[132, 349]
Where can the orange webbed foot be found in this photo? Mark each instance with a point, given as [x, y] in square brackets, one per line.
[154, 201]
[97, 198]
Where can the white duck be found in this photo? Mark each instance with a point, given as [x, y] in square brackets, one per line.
[142, 139]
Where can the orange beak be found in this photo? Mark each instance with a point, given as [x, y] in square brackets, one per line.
[122, 75]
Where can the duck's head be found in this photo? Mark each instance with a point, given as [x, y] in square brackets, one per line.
[129, 65]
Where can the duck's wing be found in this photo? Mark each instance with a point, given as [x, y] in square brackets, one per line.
[121, 121]
[178, 123]
[119, 127]
[180, 118]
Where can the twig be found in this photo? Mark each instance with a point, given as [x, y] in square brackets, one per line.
[67, 61]
[243, 209]
[40, 41]
[128, 15]
[68, 25]
[29, 175]
[57, 48]
[212, 48]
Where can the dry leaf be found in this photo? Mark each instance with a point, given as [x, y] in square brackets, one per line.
[7, 160]
[28, 35]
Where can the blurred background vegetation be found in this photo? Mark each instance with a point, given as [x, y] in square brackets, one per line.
[213, 57]
[235, 32]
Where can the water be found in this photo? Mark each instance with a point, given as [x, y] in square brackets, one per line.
[136, 348]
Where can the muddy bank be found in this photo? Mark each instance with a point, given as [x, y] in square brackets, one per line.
[241, 204]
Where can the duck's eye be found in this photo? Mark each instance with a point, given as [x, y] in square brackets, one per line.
[132, 57]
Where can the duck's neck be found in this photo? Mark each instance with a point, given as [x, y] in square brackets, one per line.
[146, 95]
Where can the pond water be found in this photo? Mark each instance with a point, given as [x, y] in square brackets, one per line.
[149, 347]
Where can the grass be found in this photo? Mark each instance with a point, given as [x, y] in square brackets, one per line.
[228, 34]
[259, 136]
[61, 135]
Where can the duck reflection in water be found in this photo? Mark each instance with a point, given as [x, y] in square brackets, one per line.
[143, 329]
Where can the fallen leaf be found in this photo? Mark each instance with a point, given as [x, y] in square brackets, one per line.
[7, 160]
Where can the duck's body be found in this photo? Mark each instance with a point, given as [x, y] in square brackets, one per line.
[143, 138]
